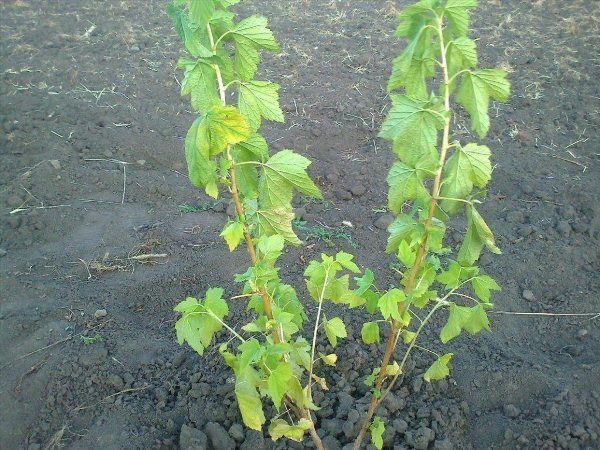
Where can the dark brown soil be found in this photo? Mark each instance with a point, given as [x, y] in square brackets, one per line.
[91, 127]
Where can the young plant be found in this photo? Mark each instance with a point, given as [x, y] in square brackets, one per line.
[224, 151]
[431, 182]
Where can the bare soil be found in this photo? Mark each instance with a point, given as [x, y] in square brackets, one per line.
[91, 130]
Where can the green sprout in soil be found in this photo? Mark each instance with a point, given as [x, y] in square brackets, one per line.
[186, 208]
[90, 340]
[432, 180]
[320, 233]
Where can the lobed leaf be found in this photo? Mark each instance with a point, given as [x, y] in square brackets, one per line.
[477, 237]
[439, 369]
[471, 319]
[334, 328]
[467, 167]
[457, 12]
[370, 333]
[280, 428]
[259, 99]
[282, 173]
[251, 35]
[474, 95]
[377, 429]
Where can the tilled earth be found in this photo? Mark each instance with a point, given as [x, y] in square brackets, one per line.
[91, 130]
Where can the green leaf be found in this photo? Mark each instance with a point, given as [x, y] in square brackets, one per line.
[233, 234]
[414, 17]
[412, 121]
[401, 229]
[200, 320]
[461, 54]
[254, 149]
[439, 369]
[251, 35]
[221, 126]
[408, 336]
[468, 166]
[202, 172]
[472, 320]
[364, 282]
[278, 381]
[334, 328]
[478, 236]
[406, 183]
[474, 95]
[458, 15]
[389, 304]
[406, 255]
[201, 11]
[483, 285]
[270, 248]
[280, 428]
[345, 259]
[282, 173]
[455, 274]
[330, 359]
[195, 38]
[259, 99]
[370, 332]
[257, 146]
[414, 65]
[275, 221]
[377, 428]
[200, 81]
[248, 399]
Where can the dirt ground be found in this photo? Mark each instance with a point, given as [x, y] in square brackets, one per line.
[91, 130]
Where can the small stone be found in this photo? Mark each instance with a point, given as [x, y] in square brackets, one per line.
[192, 439]
[563, 228]
[231, 210]
[14, 222]
[353, 416]
[141, 162]
[331, 443]
[254, 441]
[384, 221]
[400, 425]
[516, 217]
[236, 431]
[358, 190]
[582, 334]
[134, 48]
[423, 437]
[300, 213]
[574, 350]
[442, 445]
[528, 295]
[100, 313]
[2, 252]
[56, 164]
[512, 411]
[527, 189]
[332, 177]
[567, 212]
[161, 395]
[393, 403]
[14, 201]
[525, 230]
[346, 401]
[219, 437]
[115, 381]
[345, 195]
[108, 154]
[179, 359]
